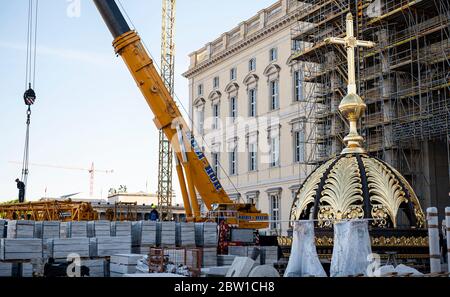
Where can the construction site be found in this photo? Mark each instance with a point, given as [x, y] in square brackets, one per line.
[372, 198]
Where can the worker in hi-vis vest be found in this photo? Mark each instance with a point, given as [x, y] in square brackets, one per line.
[154, 215]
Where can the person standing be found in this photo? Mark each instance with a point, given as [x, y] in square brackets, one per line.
[21, 187]
[154, 215]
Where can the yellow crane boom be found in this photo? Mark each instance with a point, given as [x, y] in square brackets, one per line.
[191, 161]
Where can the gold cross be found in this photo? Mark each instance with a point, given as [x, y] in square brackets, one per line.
[352, 106]
[350, 43]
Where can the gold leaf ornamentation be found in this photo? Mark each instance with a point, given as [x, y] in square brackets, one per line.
[384, 188]
[418, 212]
[343, 190]
[308, 191]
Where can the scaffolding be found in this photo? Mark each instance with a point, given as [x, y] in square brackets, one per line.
[404, 80]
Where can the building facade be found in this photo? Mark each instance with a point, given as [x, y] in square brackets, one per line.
[248, 111]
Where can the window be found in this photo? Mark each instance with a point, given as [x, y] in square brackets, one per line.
[216, 115]
[233, 162]
[296, 45]
[273, 53]
[200, 90]
[215, 163]
[233, 73]
[252, 103]
[274, 151]
[216, 82]
[299, 146]
[252, 157]
[252, 64]
[274, 95]
[200, 119]
[298, 92]
[275, 212]
[233, 108]
[252, 198]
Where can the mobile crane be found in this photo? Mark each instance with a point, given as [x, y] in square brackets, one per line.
[194, 172]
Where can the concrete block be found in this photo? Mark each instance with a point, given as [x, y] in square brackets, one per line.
[20, 248]
[120, 228]
[47, 229]
[166, 231]
[74, 229]
[20, 229]
[109, 246]
[126, 259]
[122, 269]
[60, 248]
[3, 228]
[241, 267]
[96, 267]
[264, 271]
[185, 234]
[144, 233]
[217, 270]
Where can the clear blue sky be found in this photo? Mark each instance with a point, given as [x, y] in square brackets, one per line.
[88, 107]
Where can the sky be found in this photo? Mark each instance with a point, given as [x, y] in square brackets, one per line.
[88, 108]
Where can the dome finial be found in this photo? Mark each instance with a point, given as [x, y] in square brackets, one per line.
[352, 106]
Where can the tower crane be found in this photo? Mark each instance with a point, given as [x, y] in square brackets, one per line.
[165, 189]
[90, 170]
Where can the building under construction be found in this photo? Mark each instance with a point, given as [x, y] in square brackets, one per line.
[404, 81]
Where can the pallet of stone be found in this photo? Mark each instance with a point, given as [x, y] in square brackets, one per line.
[26, 270]
[6, 269]
[99, 229]
[268, 255]
[225, 260]
[2, 228]
[144, 233]
[240, 251]
[185, 234]
[209, 256]
[61, 248]
[20, 248]
[166, 234]
[120, 228]
[108, 246]
[206, 234]
[124, 263]
[47, 229]
[97, 267]
[20, 229]
[76, 229]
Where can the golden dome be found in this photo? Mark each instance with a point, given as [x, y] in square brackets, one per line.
[356, 186]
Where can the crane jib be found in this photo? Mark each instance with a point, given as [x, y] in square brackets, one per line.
[201, 156]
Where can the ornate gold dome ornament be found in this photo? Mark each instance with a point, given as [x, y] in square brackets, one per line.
[355, 185]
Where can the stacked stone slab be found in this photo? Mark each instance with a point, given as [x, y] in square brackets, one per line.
[268, 254]
[109, 246]
[123, 264]
[206, 234]
[61, 248]
[74, 229]
[121, 229]
[20, 248]
[26, 270]
[20, 229]
[2, 228]
[225, 260]
[99, 229]
[6, 269]
[143, 236]
[47, 229]
[96, 267]
[209, 256]
[185, 234]
[166, 233]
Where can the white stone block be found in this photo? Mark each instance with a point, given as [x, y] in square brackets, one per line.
[241, 267]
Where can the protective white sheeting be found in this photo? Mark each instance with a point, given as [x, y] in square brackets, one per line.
[304, 260]
[351, 249]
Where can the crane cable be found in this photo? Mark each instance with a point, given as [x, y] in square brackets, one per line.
[30, 80]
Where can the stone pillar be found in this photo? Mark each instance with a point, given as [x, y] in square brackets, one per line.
[447, 228]
[433, 239]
